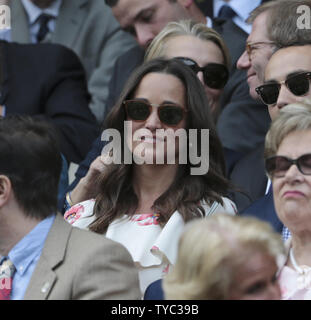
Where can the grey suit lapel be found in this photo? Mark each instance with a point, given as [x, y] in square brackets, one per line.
[44, 277]
[19, 25]
[69, 22]
[71, 18]
[41, 282]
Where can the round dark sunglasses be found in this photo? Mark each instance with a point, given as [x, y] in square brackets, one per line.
[277, 166]
[169, 114]
[215, 75]
[297, 84]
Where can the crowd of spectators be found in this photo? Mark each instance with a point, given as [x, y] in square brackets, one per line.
[188, 123]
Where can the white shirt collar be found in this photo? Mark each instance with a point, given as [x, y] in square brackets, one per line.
[268, 186]
[34, 12]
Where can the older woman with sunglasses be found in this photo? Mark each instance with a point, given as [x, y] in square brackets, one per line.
[200, 48]
[143, 204]
[288, 164]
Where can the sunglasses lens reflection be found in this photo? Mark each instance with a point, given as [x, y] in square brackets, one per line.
[269, 93]
[170, 115]
[215, 75]
[137, 110]
[305, 164]
[277, 166]
[140, 111]
[297, 85]
[190, 63]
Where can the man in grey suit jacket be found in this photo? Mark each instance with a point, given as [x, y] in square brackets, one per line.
[47, 257]
[88, 28]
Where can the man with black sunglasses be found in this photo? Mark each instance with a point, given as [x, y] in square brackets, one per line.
[286, 80]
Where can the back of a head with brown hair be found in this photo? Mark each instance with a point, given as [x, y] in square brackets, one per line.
[30, 157]
[282, 22]
[283, 27]
[259, 10]
[293, 117]
[212, 250]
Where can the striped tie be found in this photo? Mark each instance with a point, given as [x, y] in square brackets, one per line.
[43, 23]
[7, 270]
[226, 12]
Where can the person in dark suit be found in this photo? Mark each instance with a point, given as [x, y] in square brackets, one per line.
[292, 64]
[236, 90]
[274, 26]
[249, 173]
[243, 175]
[154, 291]
[243, 122]
[47, 81]
[85, 26]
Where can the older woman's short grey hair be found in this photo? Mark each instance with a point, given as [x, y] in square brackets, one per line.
[293, 117]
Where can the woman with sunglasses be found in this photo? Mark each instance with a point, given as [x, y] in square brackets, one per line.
[144, 206]
[288, 164]
[199, 47]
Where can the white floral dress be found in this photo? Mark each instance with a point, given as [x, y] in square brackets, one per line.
[153, 248]
[294, 285]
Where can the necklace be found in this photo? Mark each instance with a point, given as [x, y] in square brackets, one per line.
[304, 272]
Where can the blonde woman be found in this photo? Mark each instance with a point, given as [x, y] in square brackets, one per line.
[226, 258]
[199, 47]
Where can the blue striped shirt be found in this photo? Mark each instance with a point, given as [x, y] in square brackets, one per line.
[25, 255]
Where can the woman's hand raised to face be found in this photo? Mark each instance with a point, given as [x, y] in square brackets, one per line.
[86, 188]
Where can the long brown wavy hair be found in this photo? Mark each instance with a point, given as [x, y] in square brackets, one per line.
[116, 196]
